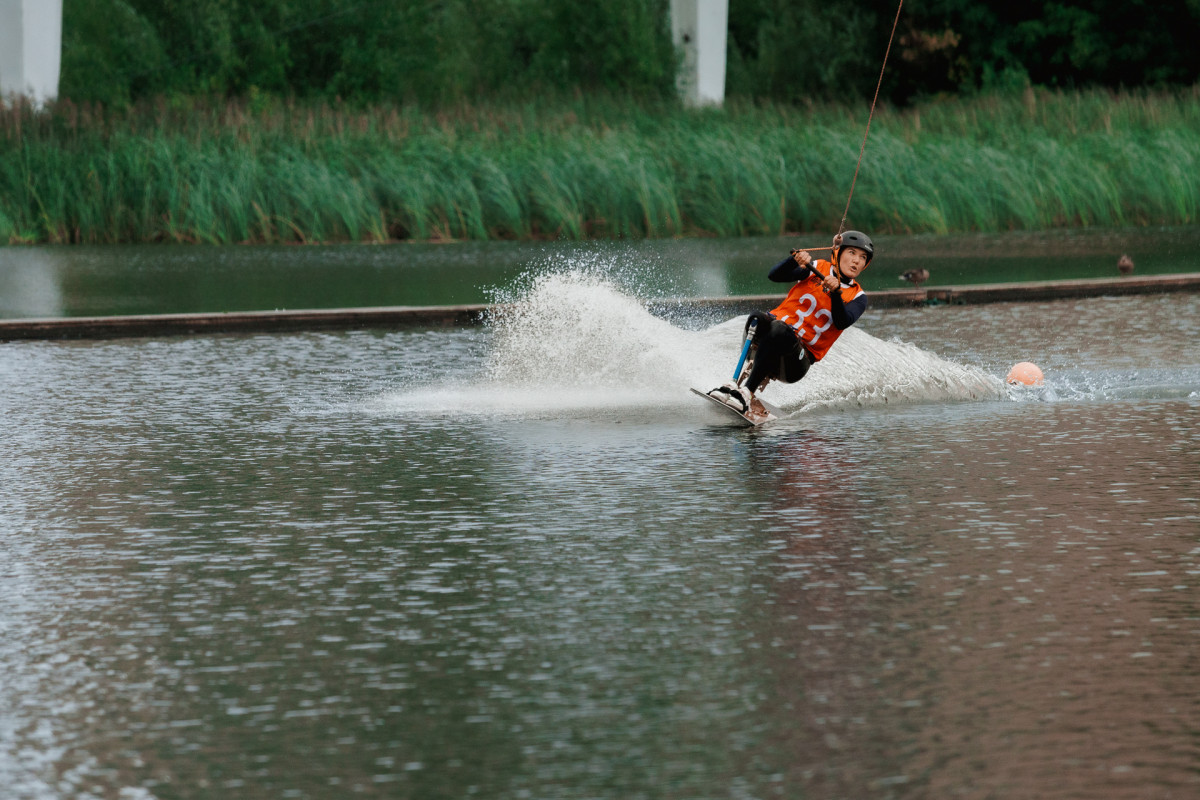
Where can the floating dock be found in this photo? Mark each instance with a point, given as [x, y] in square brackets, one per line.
[464, 315]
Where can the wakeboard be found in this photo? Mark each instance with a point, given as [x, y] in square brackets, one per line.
[748, 421]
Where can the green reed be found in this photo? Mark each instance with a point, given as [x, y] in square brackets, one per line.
[268, 171]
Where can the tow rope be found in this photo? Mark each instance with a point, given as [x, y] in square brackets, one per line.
[867, 132]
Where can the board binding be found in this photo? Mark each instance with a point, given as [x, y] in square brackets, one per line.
[753, 422]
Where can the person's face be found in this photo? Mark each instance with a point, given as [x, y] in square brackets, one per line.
[852, 261]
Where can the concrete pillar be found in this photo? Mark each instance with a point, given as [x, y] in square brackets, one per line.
[698, 28]
[30, 48]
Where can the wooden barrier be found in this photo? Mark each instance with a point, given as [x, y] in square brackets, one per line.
[457, 316]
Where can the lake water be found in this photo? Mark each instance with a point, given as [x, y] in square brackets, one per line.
[521, 561]
[73, 281]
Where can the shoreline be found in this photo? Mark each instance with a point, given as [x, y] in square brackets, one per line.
[155, 325]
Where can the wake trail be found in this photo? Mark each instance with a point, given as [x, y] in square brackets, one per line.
[574, 343]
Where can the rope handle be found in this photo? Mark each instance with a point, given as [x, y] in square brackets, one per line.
[833, 268]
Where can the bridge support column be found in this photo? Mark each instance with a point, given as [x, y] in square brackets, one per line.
[30, 48]
[698, 28]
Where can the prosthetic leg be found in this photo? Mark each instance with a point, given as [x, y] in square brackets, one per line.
[735, 394]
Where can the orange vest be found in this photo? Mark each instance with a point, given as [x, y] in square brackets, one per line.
[807, 310]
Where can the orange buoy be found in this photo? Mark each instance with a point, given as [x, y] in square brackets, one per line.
[1026, 374]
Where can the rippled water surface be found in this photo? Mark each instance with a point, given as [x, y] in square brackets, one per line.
[522, 561]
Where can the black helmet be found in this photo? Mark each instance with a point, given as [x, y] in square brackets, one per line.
[856, 239]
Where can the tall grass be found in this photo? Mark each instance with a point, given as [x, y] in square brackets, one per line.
[195, 171]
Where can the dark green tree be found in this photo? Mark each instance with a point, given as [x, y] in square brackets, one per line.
[805, 49]
[427, 51]
[950, 45]
[790, 51]
[436, 52]
[110, 52]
